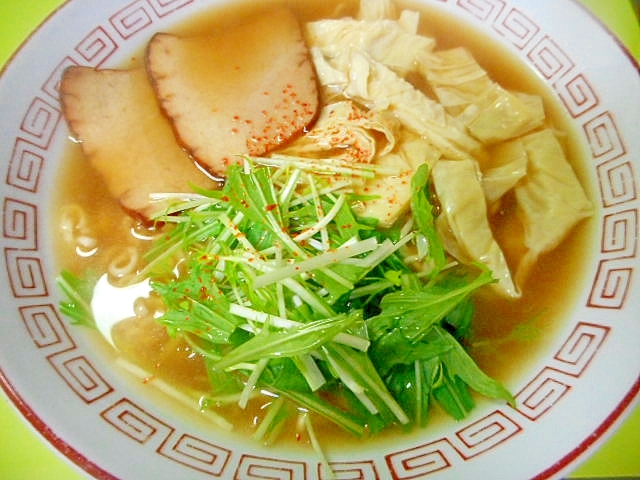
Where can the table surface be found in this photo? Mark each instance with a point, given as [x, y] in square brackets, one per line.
[24, 454]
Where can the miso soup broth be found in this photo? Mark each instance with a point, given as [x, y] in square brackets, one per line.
[507, 333]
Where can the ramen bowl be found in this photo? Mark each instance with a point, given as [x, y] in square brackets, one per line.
[569, 392]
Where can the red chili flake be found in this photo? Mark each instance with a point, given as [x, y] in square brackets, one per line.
[204, 294]
[225, 198]
[271, 207]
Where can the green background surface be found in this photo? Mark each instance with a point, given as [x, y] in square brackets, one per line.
[25, 455]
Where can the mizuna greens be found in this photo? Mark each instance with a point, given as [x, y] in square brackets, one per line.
[283, 289]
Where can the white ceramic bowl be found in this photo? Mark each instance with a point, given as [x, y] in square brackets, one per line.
[568, 398]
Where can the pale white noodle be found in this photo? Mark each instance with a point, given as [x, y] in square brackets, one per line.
[73, 218]
[124, 263]
[86, 241]
[86, 246]
[74, 225]
[148, 307]
[141, 308]
[141, 232]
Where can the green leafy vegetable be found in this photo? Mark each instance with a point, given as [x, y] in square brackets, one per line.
[290, 342]
[422, 211]
[78, 293]
[282, 288]
[415, 312]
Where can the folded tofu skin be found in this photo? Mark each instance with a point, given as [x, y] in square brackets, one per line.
[463, 122]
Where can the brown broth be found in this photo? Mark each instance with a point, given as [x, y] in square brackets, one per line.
[507, 334]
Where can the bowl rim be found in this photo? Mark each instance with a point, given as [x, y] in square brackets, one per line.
[78, 458]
